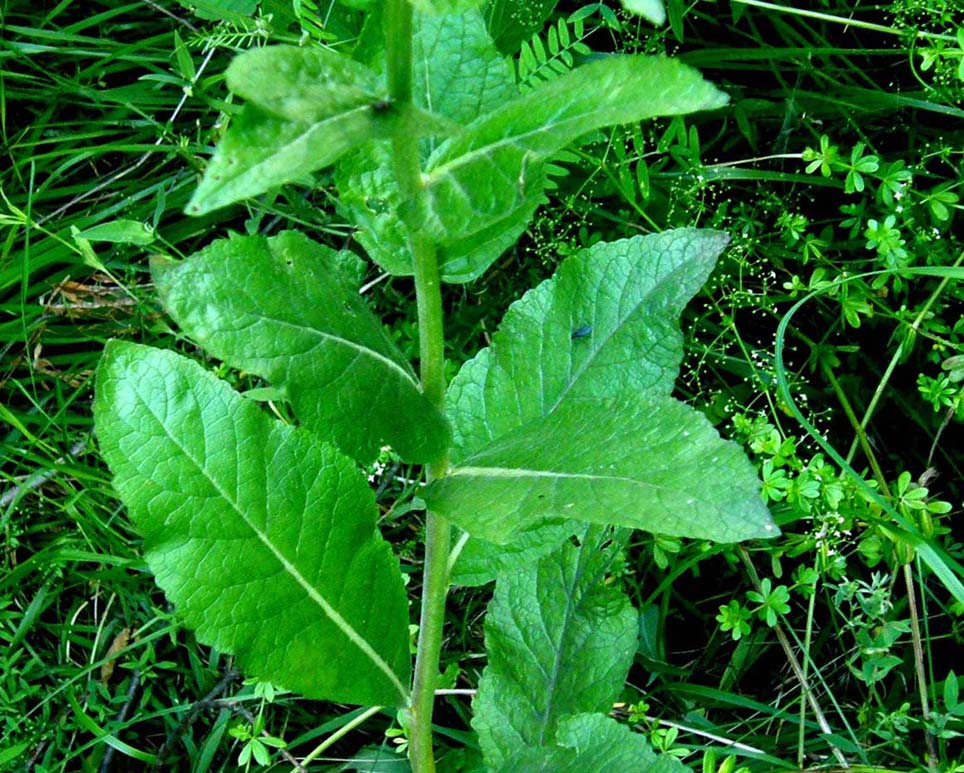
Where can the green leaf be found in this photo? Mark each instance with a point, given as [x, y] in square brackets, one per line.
[511, 22]
[651, 10]
[459, 75]
[591, 742]
[307, 107]
[495, 168]
[278, 308]
[260, 151]
[630, 294]
[120, 232]
[445, 6]
[302, 84]
[481, 562]
[559, 642]
[646, 462]
[261, 535]
[222, 10]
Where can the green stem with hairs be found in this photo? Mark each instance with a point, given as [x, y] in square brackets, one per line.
[398, 50]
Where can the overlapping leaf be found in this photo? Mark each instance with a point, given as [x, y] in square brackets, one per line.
[261, 535]
[591, 742]
[559, 642]
[540, 389]
[302, 84]
[306, 108]
[647, 463]
[628, 293]
[277, 307]
[493, 168]
[480, 562]
[458, 74]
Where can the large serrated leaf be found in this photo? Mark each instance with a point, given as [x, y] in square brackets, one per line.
[302, 84]
[559, 642]
[262, 535]
[593, 742]
[458, 74]
[625, 296]
[647, 463]
[511, 22]
[493, 168]
[277, 307]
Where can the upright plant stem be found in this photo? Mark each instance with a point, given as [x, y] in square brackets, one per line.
[398, 50]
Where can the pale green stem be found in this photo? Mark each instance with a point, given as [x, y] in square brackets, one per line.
[339, 734]
[398, 49]
[846, 21]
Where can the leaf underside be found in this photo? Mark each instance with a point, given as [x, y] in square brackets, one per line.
[279, 307]
[261, 535]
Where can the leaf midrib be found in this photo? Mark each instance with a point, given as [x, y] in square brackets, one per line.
[340, 622]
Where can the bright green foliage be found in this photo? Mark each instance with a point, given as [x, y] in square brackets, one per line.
[261, 151]
[306, 108]
[559, 642]
[590, 742]
[630, 293]
[646, 463]
[302, 84]
[279, 308]
[445, 6]
[459, 75]
[263, 536]
[491, 172]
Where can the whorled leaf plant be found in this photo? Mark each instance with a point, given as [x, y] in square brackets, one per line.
[264, 535]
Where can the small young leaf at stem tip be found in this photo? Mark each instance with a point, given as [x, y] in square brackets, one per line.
[495, 167]
[261, 535]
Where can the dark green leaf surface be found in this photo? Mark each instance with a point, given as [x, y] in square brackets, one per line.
[593, 742]
[559, 642]
[494, 168]
[513, 21]
[646, 463]
[261, 535]
[302, 84]
[629, 292]
[278, 308]
[459, 75]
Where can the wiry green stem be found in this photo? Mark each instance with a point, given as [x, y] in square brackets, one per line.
[398, 48]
